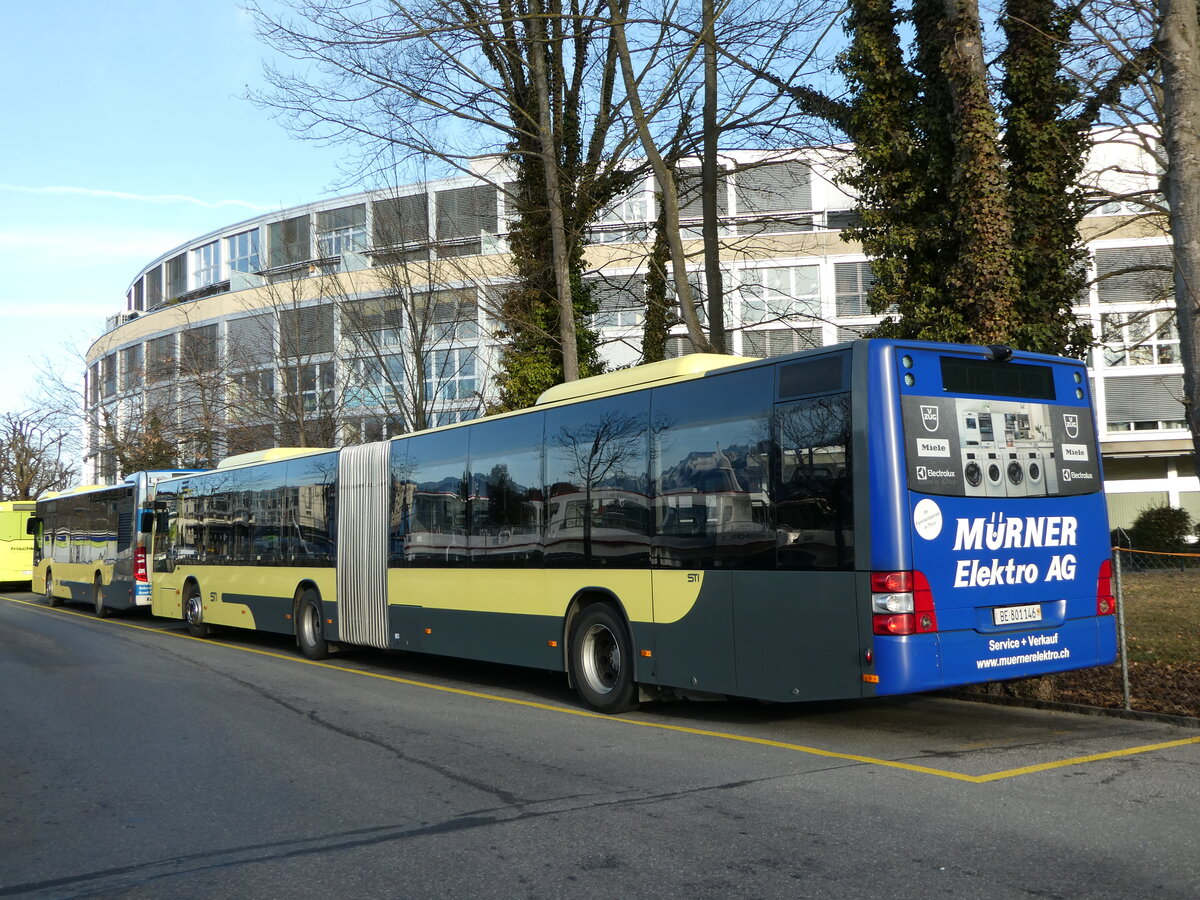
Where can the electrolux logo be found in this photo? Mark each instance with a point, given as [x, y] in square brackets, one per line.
[924, 473]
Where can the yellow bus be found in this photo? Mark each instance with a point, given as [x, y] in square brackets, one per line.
[806, 527]
[16, 545]
[90, 543]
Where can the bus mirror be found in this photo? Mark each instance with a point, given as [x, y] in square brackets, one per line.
[145, 519]
[33, 525]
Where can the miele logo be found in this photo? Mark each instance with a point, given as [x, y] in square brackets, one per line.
[929, 417]
[933, 447]
[1075, 452]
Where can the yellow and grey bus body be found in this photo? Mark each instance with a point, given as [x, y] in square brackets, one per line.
[636, 513]
[16, 545]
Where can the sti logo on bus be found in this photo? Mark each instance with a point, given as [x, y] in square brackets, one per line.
[1071, 423]
[929, 417]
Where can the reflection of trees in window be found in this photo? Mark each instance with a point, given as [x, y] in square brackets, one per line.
[711, 469]
[813, 493]
[599, 511]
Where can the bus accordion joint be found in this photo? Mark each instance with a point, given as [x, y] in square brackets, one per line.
[1106, 603]
[902, 603]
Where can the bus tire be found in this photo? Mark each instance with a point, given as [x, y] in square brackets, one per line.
[310, 629]
[51, 600]
[98, 598]
[601, 660]
[193, 612]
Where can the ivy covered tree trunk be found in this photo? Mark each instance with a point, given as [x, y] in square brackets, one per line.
[973, 228]
[1045, 146]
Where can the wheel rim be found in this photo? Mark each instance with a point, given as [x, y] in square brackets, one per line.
[601, 659]
[49, 587]
[309, 625]
[192, 610]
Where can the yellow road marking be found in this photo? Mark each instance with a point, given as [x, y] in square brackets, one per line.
[663, 726]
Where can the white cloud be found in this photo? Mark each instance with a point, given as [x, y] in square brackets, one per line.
[139, 198]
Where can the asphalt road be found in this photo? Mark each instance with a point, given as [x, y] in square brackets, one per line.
[138, 762]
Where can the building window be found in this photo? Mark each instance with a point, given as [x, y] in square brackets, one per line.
[625, 219]
[199, 350]
[772, 196]
[780, 341]
[1140, 339]
[206, 265]
[160, 358]
[131, 367]
[306, 331]
[462, 216]
[242, 250]
[342, 230]
[445, 316]
[310, 387]
[377, 381]
[1134, 274]
[450, 374]
[780, 293]
[108, 385]
[375, 323]
[177, 276]
[1144, 403]
[620, 301]
[852, 282]
[288, 241]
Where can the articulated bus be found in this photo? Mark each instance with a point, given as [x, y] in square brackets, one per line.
[90, 543]
[873, 518]
[16, 546]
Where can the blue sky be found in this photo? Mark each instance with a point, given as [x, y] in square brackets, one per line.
[125, 133]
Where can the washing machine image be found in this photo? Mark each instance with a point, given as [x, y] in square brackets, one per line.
[1035, 473]
[973, 476]
[993, 463]
[1015, 473]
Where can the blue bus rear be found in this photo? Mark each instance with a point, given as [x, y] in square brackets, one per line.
[990, 552]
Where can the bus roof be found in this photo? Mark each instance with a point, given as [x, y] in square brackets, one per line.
[690, 366]
[270, 455]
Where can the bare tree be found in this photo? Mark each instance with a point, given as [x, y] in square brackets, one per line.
[32, 455]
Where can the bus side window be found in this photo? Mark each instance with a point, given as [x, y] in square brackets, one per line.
[813, 485]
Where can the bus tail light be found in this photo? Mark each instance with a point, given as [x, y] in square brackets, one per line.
[1106, 603]
[139, 565]
[902, 603]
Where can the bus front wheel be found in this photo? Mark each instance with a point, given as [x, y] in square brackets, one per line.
[601, 660]
[98, 598]
[51, 600]
[310, 629]
[193, 612]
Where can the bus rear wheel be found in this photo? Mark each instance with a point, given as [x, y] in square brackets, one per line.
[193, 612]
[98, 598]
[310, 628]
[51, 600]
[601, 660]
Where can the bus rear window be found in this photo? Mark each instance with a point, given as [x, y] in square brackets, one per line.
[994, 379]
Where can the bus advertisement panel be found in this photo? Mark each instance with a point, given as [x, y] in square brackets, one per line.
[1006, 520]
